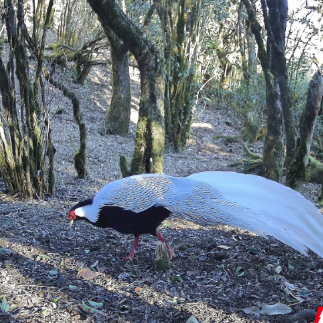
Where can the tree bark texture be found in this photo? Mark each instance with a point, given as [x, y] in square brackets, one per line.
[308, 119]
[275, 25]
[273, 152]
[23, 143]
[149, 142]
[248, 56]
[117, 118]
[180, 22]
[80, 164]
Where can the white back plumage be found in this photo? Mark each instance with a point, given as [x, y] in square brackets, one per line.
[245, 201]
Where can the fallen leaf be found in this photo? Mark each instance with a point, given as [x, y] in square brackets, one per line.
[192, 319]
[86, 273]
[95, 304]
[89, 309]
[275, 309]
[72, 287]
[53, 272]
[95, 264]
[252, 310]
[193, 273]
[125, 275]
[137, 290]
[177, 279]
[239, 271]
[54, 299]
[253, 251]
[4, 306]
[223, 247]
[45, 311]
[6, 252]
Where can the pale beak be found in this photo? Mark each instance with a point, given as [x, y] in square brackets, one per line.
[71, 222]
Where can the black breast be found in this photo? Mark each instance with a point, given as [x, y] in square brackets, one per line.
[126, 221]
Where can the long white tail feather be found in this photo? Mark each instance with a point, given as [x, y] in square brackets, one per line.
[283, 213]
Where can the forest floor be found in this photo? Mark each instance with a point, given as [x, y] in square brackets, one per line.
[217, 272]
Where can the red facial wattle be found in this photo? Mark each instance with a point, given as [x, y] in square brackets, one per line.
[72, 215]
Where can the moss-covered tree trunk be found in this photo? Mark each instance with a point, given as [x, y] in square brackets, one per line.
[249, 67]
[23, 143]
[223, 53]
[150, 135]
[273, 152]
[180, 22]
[117, 118]
[80, 164]
[149, 142]
[314, 104]
[276, 25]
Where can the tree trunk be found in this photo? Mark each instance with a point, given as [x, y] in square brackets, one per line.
[150, 136]
[226, 66]
[23, 143]
[273, 147]
[180, 22]
[273, 151]
[247, 46]
[80, 164]
[252, 63]
[308, 119]
[117, 118]
[276, 27]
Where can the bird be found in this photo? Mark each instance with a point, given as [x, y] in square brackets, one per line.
[139, 204]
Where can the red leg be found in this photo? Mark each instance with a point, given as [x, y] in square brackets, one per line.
[170, 252]
[134, 247]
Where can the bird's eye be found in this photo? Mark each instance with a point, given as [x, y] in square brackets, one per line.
[72, 215]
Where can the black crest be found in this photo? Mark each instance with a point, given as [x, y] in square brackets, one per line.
[83, 203]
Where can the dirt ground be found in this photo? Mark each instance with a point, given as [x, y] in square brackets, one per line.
[217, 272]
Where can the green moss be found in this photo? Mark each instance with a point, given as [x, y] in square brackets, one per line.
[80, 164]
[161, 261]
[250, 132]
[314, 171]
[227, 139]
[124, 166]
[231, 139]
[262, 132]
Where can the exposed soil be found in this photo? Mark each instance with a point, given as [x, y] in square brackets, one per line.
[217, 272]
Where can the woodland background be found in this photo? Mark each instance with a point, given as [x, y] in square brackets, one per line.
[96, 90]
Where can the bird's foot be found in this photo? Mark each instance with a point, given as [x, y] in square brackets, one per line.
[171, 253]
[129, 257]
[134, 247]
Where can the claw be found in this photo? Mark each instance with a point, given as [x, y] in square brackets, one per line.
[134, 247]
